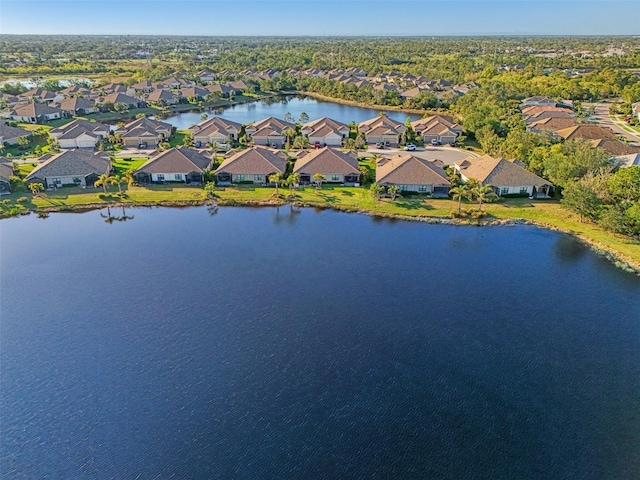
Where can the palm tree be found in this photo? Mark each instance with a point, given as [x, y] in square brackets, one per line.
[393, 190]
[36, 188]
[293, 180]
[289, 133]
[459, 192]
[103, 180]
[277, 179]
[117, 180]
[484, 193]
[318, 178]
[129, 178]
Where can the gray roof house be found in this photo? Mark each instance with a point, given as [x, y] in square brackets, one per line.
[413, 174]
[6, 171]
[10, 134]
[335, 165]
[80, 134]
[71, 167]
[253, 165]
[174, 165]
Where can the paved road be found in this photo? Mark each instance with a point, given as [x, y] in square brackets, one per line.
[448, 155]
[602, 117]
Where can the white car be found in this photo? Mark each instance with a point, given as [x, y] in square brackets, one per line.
[410, 148]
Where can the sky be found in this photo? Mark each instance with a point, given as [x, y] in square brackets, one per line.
[321, 17]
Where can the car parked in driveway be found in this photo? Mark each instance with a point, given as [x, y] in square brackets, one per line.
[435, 142]
[410, 148]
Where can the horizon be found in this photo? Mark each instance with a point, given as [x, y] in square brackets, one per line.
[324, 18]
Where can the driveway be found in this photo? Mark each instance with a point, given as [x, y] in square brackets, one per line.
[448, 155]
[602, 117]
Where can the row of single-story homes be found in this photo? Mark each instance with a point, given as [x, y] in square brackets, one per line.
[325, 131]
[256, 164]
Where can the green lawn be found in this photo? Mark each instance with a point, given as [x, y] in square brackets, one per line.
[546, 213]
[179, 138]
[121, 165]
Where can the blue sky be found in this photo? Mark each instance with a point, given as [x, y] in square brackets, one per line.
[321, 17]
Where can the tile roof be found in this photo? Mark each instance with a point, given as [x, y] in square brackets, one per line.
[615, 147]
[586, 131]
[34, 109]
[213, 125]
[323, 127]
[498, 172]
[381, 125]
[72, 163]
[326, 161]
[7, 132]
[254, 160]
[6, 169]
[409, 170]
[176, 160]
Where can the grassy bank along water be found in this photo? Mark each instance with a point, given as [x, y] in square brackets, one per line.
[548, 214]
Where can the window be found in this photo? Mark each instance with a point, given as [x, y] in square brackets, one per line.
[422, 188]
[257, 178]
[335, 178]
[504, 191]
[402, 187]
[178, 176]
[240, 178]
[57, 181]
[161, 177]
[77, 180]
[524, 190]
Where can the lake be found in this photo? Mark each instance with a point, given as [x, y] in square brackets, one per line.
[279, 106]
[276, 343]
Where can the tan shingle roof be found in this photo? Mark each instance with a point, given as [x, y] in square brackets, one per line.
[215, 124]
[327, 161]
[176, 160]
[615, 147]
[382, 125]
[72, 163]
[498, 172]
[255, 160]
[409, 170]
[589, 132]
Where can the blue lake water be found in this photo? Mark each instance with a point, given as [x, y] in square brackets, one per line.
[270, 343]
[278, 107]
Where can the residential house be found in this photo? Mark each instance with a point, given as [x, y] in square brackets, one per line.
[161, 97]
[42, 96]
[615, 147]
[437, 128]
[215, 130]
[129, 101]
[10, 135]
[75, 91]
[33, 113]
[144, 131]
[10, 100]
[382, 129]
[585, 131]
[335, 165]
[71, 167]
[540, 101]
[206, 76]
[551, 124]
[506, 177]
[413, 174]
[73, 106]
[269, 131]
[174, 165]
[636, 110]
[414, 92]
[6, 172]
[80, 134]
[146, 86]
[222, 89]
[325, 132]
[194, 92]
[253, 165]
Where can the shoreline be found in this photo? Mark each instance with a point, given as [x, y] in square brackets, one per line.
[618, 259]
[390, 108]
